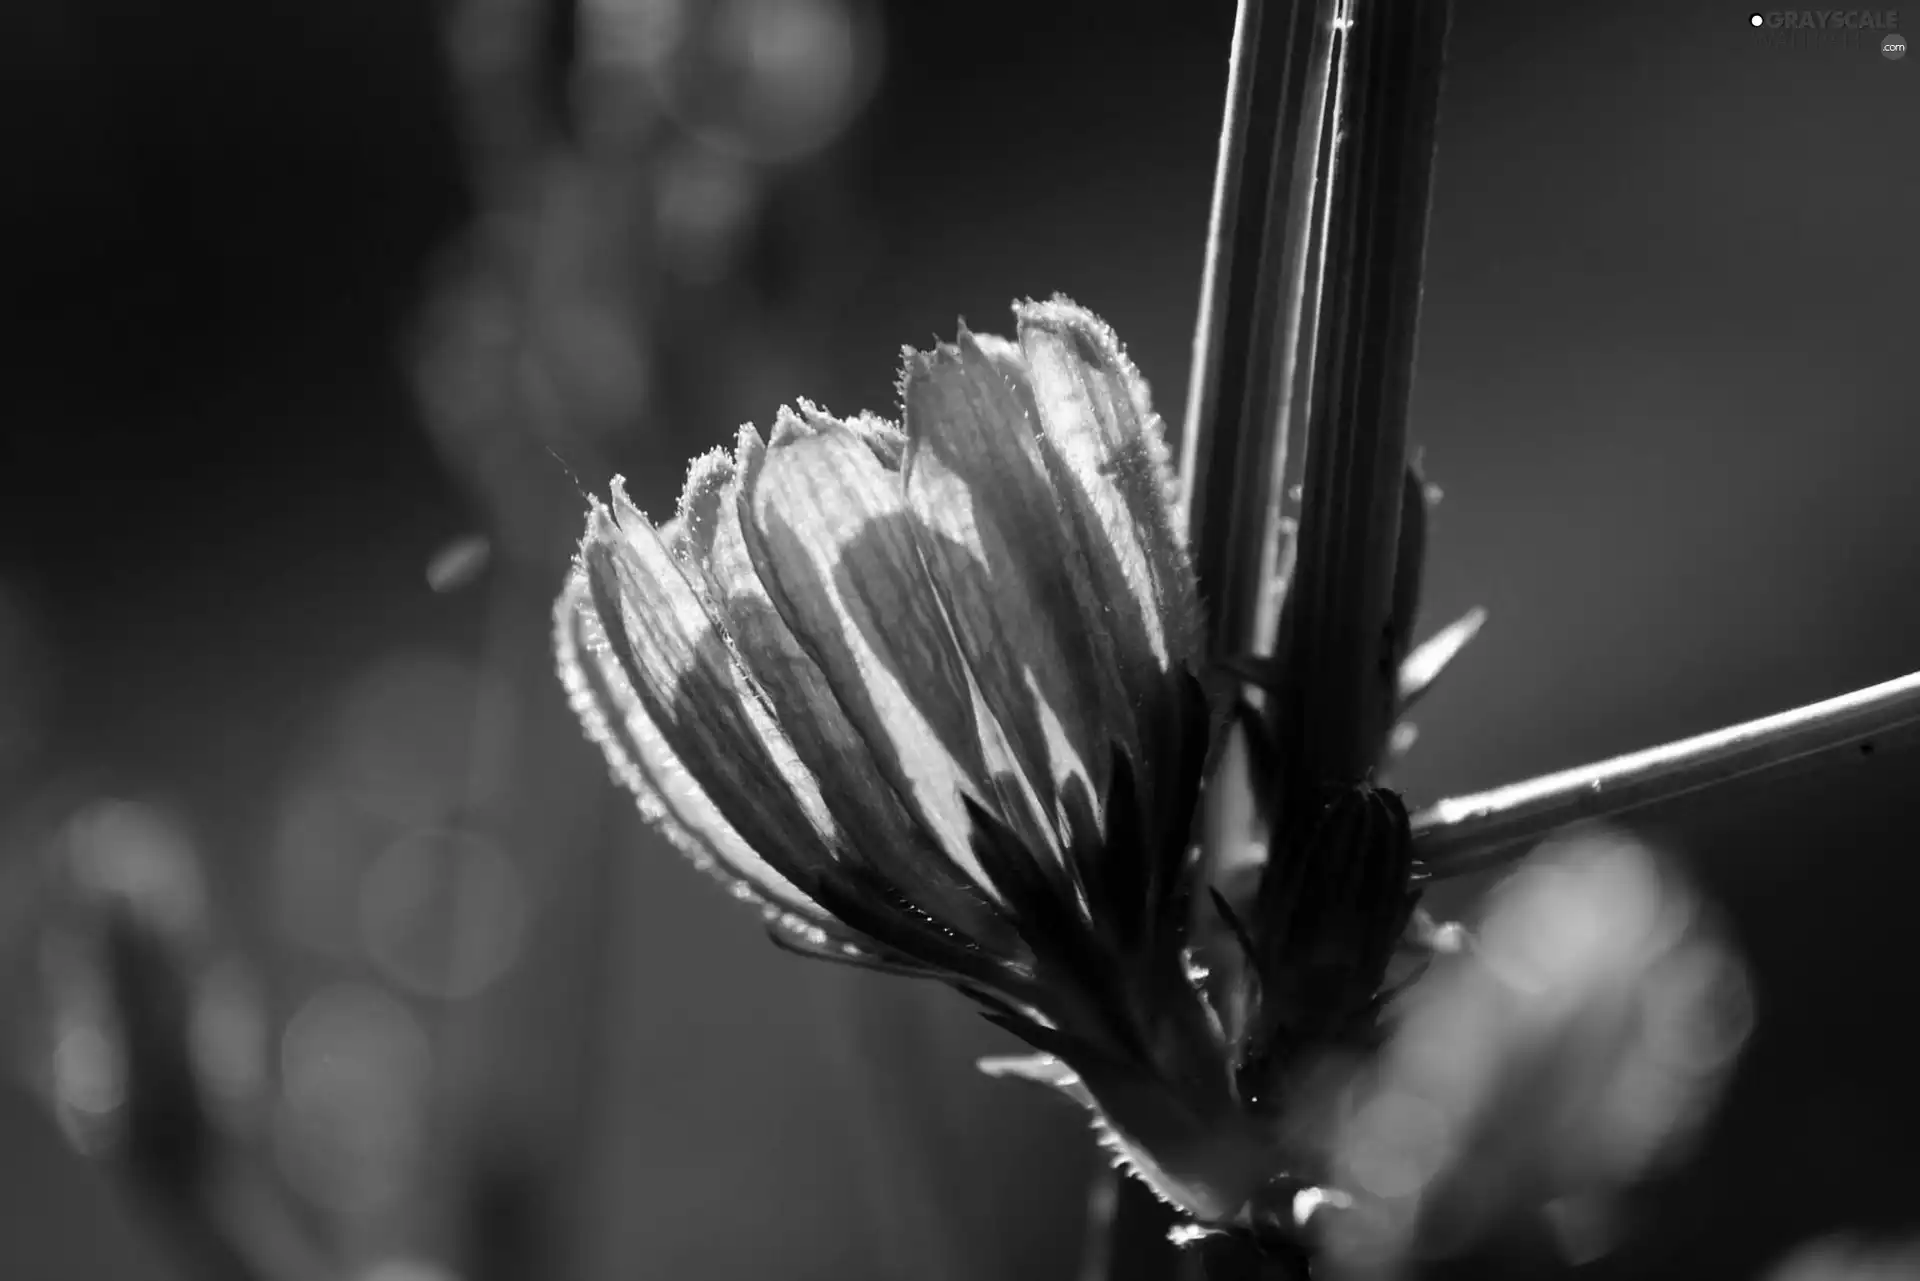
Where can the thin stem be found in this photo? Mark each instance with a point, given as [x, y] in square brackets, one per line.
[1467, 833]
[1252, 346]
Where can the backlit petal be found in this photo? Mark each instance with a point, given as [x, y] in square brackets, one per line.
[698, 517]
[879, 829]
[692, 690]
[1014, 583]
[641, 760]
[827, 529]
[1106, 450]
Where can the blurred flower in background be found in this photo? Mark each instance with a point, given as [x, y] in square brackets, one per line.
[241, 1095]
[1845, 1258]
[627, 155]
[145, 1039]
[1574, 1050]
[765, 81]
[122, 934]
[351, 1119]
[378, 854]
[397, 898]
[662, 218]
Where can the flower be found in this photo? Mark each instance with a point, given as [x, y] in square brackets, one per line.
[927, 693]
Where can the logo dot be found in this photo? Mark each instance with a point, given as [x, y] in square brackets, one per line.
[1756, 20]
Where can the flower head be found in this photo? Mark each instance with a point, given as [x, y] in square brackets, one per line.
[927, 693]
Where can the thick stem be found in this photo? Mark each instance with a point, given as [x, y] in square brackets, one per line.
[1252, 351]
[1340, 641]
[1303, 364]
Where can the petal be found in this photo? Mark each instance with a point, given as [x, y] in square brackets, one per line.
[639, 760]
[1015, 586]
[1106, 451]
[687, 716]
[831, 540]
[698, 517]
[885, 439]
[1006, 357]
[880, 831]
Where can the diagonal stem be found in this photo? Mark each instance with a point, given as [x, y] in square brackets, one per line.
[1468, 833]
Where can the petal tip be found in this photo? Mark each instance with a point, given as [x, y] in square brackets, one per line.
[749, 448]
[1058, 313]
[617, 489]
[915, 366]
[600, 526]
[788, 427]
[997, 350]
[708, 478]
[1093, 341]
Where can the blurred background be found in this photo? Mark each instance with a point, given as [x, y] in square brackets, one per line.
[324, 315]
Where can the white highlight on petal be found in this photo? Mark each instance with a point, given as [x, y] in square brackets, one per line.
[1075, 436]
[1065, 761]
[936, 778]
[1019, 799]
[694, 619]
[1099, 423]
[1005, 558]
[828, 489]
[668, 796]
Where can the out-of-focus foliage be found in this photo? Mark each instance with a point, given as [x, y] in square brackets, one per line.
[625, 155]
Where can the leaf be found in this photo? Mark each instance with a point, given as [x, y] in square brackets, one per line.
[1423, 667]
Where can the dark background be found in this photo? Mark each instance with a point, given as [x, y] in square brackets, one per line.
[1666, 381]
